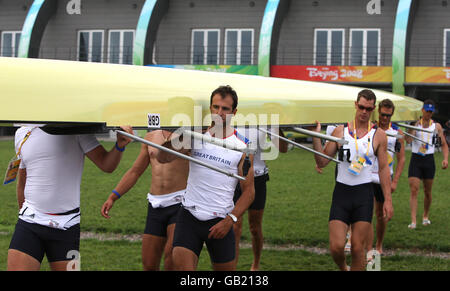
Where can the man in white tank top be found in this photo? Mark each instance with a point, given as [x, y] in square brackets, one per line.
[396, 148]
[422, 166]
[48, 192]
[208, 211]
[168, 184]
[353, 194]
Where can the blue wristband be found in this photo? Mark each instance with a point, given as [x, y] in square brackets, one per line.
[117, 193]
[119, 149]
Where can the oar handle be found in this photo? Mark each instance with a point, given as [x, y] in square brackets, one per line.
[300, 146]
[415, 127]
[341, 141]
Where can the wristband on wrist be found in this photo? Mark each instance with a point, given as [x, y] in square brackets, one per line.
[117, 193]
[118, 148]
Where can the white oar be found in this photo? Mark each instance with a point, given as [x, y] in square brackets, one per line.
[394, 135]
[416, 138]
[320, 135]
[180, 155]
[219, 142]
[299, 145]
[415, 127]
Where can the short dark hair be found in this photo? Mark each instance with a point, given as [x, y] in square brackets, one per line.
[387, 103]
[429, 101]
[368, 95]
[224, 91]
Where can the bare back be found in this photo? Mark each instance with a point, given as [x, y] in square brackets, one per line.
[169, 177]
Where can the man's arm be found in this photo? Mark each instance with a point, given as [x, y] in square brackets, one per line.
[380, 143]
[219, 230]
[20, 190]
[128, 180]
[400, 163]
[280, 144]
[165, 157]
[330, 147]
[409, 139]
[444, 146]
[108, 161]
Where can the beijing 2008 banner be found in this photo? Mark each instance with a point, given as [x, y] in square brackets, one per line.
[334, 73]
[430, 75]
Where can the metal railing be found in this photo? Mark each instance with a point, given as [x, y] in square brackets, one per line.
[285, 55]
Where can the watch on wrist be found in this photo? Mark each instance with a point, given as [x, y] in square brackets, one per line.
[233, 217]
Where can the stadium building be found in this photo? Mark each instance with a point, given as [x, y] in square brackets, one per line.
[401, 46]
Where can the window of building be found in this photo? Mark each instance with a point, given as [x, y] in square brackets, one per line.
[10, 43]
[446, 47]
[238, 46]
[364, 47]
[329, 47]
[90, 46]
[120, 46]
[205, 46]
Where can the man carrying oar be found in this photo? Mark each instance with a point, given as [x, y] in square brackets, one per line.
[422, 166]
[208, 211]
[396, 148]
[168, 184]
[48, 193]
[352, 202]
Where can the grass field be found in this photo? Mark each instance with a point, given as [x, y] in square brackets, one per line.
[296, 214]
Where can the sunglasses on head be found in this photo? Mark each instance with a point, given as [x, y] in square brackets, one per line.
[368, 109]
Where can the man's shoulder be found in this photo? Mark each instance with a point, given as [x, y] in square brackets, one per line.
[241, 137]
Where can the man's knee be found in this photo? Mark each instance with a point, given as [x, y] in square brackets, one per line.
[256, 229]
[336, 247]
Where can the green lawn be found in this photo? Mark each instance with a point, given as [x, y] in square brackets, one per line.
[296, 213]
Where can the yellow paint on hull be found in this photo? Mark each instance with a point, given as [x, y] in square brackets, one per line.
[45, 91]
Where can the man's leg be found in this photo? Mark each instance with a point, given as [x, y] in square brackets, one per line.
[185, 260]
[338, 232]
[360, 231]
[255, 218]
[381, 226]
[64, 266]
[427, 186]
[237, 228]
[229, 266]
[19, 261]
[168, 261]
[414, 185]
[370, 235]
[152, 250]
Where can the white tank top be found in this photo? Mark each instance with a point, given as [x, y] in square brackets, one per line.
[54, 165]
[364, 143]
[257, 141]
[425, 136]
[393, 129]
[209, 194]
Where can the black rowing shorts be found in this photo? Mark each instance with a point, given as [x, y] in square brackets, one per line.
[36, 240]
[260, 192]
[422, 167]
[378, 192]
[191, 233]
[158, 219]
[351, 204]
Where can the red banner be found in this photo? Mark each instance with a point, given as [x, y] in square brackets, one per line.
[334, 73]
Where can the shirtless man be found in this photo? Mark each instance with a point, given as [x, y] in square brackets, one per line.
[166, 191]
